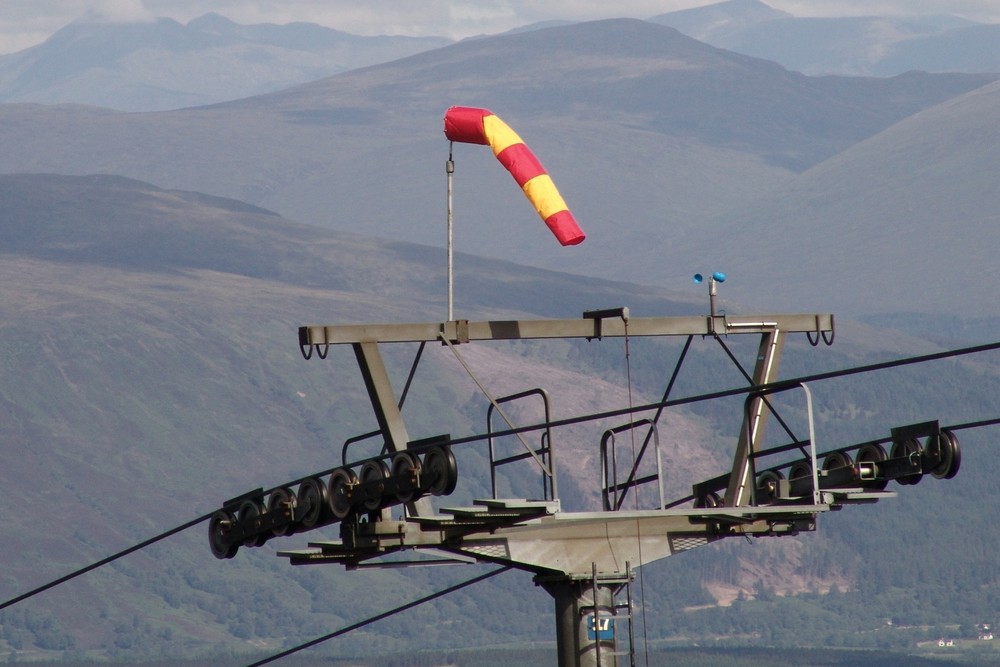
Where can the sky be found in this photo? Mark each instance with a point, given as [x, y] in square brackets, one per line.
[25, 23]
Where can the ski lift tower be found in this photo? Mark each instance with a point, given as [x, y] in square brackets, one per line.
[583, 559]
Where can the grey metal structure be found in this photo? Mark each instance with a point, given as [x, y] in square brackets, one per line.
[582, 558]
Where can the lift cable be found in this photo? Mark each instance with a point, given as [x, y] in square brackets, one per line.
[738, 391]
[565, 422]
[105, 561]
[781, 422]
[383, 615]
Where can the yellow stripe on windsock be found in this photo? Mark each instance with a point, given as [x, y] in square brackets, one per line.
[544, 196]
[498, 134]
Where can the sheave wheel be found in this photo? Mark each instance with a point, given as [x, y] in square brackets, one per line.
[376, 473]
[442, 470]
[874, 454]
[312, 503]
[709, 500]
[219, 528]
[405, 467]
[767, 486]
[342, 483]
[836, 460]
[909, 449]
[950, 457]
[251, 512]
[282, 500]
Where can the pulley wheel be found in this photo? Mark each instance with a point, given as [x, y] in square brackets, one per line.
[767, 486]
[250, 514]
[908, 449]
[342, 483]
[709, 500]
[874, 454]
[800, 469]
[375, 473]
[950, 456]
[219, 528]
[405, 467]
[311, 503]
[835, 460]
[871, 453]
[442, 470]
[282, 500]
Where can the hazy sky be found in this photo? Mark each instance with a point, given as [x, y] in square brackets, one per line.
[24, 23]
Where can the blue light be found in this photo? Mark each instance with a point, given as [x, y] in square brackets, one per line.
[719, 276]
[697, 278]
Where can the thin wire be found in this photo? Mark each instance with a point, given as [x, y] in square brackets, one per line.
[738, 391]
[635, 498]
[382, 616]
[105, 561]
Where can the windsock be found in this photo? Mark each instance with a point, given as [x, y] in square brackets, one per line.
[480, 126]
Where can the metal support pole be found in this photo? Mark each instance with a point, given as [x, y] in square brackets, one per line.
[766, 370]
[450, 170]
[387, 413]
[585, 631]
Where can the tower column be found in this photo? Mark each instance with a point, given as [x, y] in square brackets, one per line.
[585, 623]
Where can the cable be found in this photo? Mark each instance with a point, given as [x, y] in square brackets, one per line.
[725, 393]
[101, 563]
[382, 616]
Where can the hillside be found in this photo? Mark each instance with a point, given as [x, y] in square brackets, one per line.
[150, 371]
[867, 45]
[163, 64]
[907, 218]
[648, 134]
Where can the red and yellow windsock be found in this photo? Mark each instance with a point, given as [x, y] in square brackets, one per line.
[480, 126]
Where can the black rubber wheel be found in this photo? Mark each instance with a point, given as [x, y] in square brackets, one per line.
[871, 453]
[219, 528]
[951, 456]
[282, 500]
[405, 468]
[311, 503]
[835, 460]
[709, 500]
[874, 454]
[767, 486]
[442, 470]
[908, 449]
[375, 472]
[341, 491]
[250, 515]
[800, 469]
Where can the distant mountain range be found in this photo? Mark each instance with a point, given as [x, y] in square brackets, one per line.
[676, 157]
[166, 65]
[854, 46]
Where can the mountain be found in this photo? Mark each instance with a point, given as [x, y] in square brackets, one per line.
[650, 136]
[853, 46]
[908, 216]
[164, 64]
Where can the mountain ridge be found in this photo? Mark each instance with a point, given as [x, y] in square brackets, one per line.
[164, 64]
[696, 134]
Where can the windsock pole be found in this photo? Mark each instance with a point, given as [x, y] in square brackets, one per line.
[450, 170]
